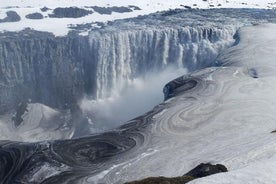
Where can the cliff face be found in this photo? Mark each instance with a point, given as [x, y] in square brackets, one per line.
[122, 56]
[59, 70]
[43, 68]
[214, 116]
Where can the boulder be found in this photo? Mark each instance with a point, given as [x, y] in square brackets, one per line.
[199, 171]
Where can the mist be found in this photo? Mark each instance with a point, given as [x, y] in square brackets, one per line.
[135, 99]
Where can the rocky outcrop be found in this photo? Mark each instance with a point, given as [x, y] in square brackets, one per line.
[109, 10]
[207, 169]
[44, 9]
[34, 16]
[71, 12]
[164, 180]
[199, 171]
[12, 16]
[39, 66]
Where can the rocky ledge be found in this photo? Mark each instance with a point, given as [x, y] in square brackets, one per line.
[199, 171]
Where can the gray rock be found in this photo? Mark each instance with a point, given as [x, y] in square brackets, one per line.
[34, 16]
[199, 171]
[44, 9]
[71, 12]
[109, 10]
[12, 16]
[47, 69]
[134, 7]
[207, 169]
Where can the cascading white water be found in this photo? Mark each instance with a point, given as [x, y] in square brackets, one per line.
[111, 66]
[127, 54]
[136, 64]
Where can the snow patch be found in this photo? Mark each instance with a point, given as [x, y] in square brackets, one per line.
[60, 26]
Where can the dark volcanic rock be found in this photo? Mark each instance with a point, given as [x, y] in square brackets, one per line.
[134, 7]
[34, 16]
[253, 73]
[44, 9]
[185, 6]
[12, 16]
[199, 171]
[163, 180]
[203, 170]
[171, 12]
[183, 83]
[71, 12]
[109, 10]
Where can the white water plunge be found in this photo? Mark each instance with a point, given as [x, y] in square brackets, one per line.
[127, 54]
[140, 96]
[134, 65]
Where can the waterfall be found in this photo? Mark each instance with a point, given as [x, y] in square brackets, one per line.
[57, 71]
[124, 55]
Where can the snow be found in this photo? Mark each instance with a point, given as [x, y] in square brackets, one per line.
[258, 164]
[260, 172]
[40, 123]
[227, 119]
[59, 26]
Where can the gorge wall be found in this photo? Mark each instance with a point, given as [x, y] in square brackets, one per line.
[57, 71]
[44, 68]
[214, 116]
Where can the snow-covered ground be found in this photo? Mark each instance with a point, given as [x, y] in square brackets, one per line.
[60, 26]
[39, 122]
[259, 45]
[228, 119]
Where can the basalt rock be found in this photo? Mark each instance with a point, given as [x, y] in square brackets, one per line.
[12, 16]
[207, 169]
[199, 171]
[34, 16]
[71, 12]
